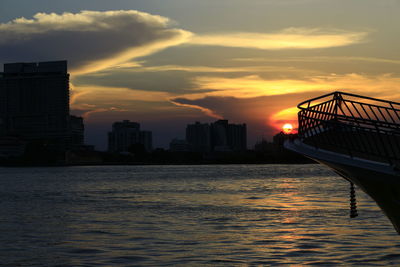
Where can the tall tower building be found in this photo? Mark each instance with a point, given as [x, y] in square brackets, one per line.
[34, 103]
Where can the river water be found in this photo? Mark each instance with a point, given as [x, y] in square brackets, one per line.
[231, 215]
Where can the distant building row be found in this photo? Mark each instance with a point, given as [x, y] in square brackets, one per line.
[219, 136]
[126, 134]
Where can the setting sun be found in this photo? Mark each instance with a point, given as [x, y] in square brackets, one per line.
[287, 128]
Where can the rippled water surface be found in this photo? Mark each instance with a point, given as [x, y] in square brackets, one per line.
[188, 215]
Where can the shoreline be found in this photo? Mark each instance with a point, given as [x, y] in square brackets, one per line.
[151, 164]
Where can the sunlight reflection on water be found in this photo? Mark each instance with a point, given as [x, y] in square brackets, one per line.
[179, 215]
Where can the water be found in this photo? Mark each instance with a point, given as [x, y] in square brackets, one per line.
[188, 215]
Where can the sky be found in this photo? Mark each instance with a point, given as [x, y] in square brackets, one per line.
[168, 63]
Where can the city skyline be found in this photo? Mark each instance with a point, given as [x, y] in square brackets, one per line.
[35, 114]
[167, 64]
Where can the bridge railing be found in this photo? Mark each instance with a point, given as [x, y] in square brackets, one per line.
[355, 125]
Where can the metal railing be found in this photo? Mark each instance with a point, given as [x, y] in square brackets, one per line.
[354, 125]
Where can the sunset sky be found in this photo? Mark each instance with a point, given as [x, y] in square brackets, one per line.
[167, 63]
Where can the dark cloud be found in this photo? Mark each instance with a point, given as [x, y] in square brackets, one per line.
[87, 37]
[163, 81]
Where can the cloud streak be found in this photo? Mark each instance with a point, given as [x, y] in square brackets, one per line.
[90, 40]
[291, 38]
[320, 59]
[180, 102]
[253, 85]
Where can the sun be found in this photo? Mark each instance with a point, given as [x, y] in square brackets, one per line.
[287, 128]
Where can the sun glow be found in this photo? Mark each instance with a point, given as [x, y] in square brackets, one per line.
[287, 128]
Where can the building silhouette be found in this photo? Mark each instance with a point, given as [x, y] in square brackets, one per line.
[220, 136]
[125, 134]
[34, 103]
[198, 136]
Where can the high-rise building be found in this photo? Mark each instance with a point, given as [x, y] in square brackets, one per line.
[198, 137]
[125, 134]
[34, 103]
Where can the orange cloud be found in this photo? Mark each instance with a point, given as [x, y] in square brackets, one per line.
[281, 96]
[331, 59]
[384, 85]
[288, 115]
[95, 99]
